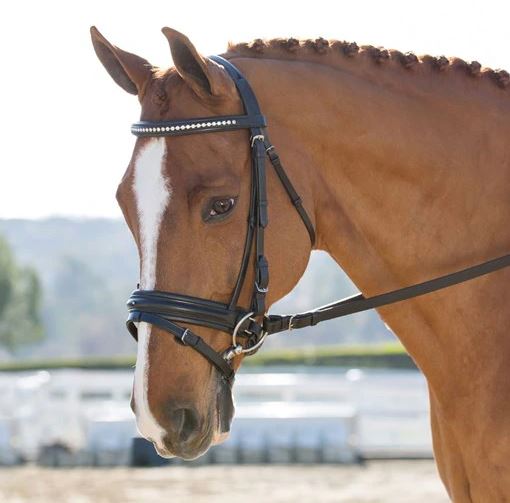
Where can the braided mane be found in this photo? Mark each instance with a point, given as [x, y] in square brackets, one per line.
[294, 48]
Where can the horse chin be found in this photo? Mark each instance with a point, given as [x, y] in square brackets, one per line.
[163, 452]
[217, 438]
[186, 451]
[220, 437]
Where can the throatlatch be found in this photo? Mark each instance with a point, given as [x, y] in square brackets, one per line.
[167, 310]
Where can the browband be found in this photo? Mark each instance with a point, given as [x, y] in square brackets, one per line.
[194, 126]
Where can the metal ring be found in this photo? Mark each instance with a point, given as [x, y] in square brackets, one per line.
[237, 348]
[290, 327]
[271, 147]
[238, 326]
[256, 346]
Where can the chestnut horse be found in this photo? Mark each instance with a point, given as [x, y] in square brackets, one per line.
[402, 163]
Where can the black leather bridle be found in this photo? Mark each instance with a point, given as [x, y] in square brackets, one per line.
[168, 310]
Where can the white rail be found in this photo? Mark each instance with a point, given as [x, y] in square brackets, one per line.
[279, 416]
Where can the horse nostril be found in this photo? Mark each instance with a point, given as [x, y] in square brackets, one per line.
[184, 422]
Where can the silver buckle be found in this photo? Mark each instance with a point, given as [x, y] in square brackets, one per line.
[233, 351]
[183, 336]
[256, 137]
[290, 327]
[261, 290]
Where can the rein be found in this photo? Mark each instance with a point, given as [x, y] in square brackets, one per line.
[167, 310]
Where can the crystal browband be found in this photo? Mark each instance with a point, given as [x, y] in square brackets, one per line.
[199, 125]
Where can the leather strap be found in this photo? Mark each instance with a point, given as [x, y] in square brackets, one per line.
[260, 288]
[191, 310]
[291, 191]
[258, 217]
[358, 303]
[184, 336]
[248, 245]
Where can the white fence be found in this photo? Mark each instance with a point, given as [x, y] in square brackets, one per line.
[280, 417]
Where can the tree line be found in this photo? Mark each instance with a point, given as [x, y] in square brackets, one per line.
[86, 268]
[20, 302]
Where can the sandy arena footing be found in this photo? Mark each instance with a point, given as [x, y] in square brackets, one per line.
[375, 482]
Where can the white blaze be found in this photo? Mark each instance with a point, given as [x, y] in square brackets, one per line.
[152, 193]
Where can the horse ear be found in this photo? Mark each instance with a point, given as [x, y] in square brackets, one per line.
[203, 75]
[129, 71]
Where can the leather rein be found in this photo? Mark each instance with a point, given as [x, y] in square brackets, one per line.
[168, 310]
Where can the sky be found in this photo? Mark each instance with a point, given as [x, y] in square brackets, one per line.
[64, 134]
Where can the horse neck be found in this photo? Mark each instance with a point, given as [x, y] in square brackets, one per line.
[409, 177]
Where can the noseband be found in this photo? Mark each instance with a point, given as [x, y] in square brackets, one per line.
[168, 310]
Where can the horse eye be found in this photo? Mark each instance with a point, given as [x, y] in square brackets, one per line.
[221, 207]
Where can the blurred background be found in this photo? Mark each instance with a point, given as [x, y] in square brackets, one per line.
[338, 412]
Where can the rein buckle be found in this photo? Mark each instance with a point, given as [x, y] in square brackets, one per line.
[183, 336]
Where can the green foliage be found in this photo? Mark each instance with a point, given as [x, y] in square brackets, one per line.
[87, 269]
[20, 298]
[86, 363]
[6, 275]
[390, 355]
[361, 356]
